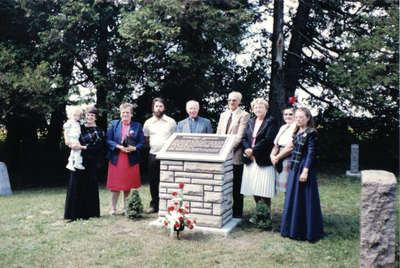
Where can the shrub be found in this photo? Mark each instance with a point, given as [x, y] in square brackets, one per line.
[262, 216]
[135, 207]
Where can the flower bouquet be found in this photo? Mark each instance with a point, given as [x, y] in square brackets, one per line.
[177, 217]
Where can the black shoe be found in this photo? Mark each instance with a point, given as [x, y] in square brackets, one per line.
[237, 215]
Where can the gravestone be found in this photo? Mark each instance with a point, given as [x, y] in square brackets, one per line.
[203, 162]
[354, 160]
[5, 187]
[377, 219]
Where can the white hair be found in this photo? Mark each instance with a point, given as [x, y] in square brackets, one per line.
[237, 94]
[259, 101]
[193, 102]
[71, 110]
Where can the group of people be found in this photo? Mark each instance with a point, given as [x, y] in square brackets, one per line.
[266, 158]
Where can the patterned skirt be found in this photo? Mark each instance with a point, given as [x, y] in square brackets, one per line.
[281, 180]
[258, 181]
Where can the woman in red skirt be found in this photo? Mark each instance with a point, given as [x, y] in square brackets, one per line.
[124, 139]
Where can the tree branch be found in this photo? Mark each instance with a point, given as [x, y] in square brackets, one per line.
[317, 97]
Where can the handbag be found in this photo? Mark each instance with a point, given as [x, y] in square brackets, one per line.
[128, 140]
[246, 160]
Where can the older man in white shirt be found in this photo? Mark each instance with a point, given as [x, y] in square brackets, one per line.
[157, 130]
[234, 121]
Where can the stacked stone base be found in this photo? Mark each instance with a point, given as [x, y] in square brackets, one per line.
[207, 190]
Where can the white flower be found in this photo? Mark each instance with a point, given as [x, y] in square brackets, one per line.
[176, 199]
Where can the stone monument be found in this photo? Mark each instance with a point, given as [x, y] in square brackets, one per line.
[354, 157]
[203, 162]
[378, 219]
[5, 187]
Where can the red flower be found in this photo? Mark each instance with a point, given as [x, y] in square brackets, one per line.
[187, 207]
[176, 225]
[194, 221]
[180, 210]
[174, 193]
[191, 227]
[181, 185]
[171, 208]
[176, 203]
[180, 218]
[188, 222]
[165, 223]
[292, 100]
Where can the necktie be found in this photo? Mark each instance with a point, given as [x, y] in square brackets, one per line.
[228, 124]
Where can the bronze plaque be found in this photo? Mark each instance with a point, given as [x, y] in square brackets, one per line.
[196, 144]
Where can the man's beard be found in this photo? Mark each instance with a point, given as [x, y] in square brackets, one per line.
[158, 114]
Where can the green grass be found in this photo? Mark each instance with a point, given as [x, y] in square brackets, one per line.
[34, 234]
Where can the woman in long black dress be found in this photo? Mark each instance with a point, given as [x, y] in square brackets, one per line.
[82, 200]
[302, 216]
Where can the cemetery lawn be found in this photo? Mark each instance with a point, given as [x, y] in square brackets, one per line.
[34, 234]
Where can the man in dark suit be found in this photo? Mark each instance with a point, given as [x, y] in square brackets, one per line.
[234, 121]
[194, 123]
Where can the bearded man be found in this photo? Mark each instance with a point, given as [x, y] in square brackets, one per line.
[157, 129]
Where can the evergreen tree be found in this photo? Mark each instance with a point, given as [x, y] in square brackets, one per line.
[135, 207]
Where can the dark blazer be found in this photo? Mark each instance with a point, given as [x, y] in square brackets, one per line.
[203, 126]
[264, 139]
[113, 138]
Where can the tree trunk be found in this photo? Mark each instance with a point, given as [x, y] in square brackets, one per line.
[22, 150]
[102, 84]
[293, 60]
[55, 129]
[59, 115]
[29, 162]
[277, 96]
[12, 143]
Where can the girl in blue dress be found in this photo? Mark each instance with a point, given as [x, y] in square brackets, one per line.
[302, 216]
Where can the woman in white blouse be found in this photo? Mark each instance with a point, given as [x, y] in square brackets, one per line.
[279, 152]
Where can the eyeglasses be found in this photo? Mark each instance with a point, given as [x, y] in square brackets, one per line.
[288, 114]
[232, 100]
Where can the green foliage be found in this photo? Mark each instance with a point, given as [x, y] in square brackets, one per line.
[262, 216]
[379, 149]
[26, 88]
[3, 134]
[352, 58]
[135, 207]
[367, 69]
[180, 50]
[184, 49]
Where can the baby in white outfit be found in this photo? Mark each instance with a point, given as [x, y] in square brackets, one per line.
[72, 131]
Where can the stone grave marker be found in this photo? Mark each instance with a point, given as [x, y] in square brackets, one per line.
[354, 160]
[5, 187]
[203, 162]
